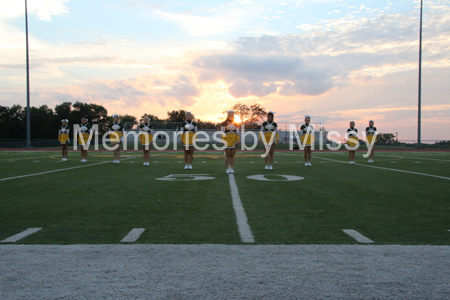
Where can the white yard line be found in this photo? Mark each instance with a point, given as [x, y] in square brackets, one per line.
[59, 170]
[133, 235]
[357, 236]
[241, 218]
[19, 236]
[389, 169]
[414, 157]
[27, 157]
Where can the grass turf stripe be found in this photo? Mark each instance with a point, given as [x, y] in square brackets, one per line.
[59, 170]
[405, 156]
[389, 169]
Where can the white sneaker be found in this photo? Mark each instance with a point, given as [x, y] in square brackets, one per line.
[118, 162]
[231, 171]
[371, 160]
[306, 164]
[64, 159]
[190, 167]
[228, 171]
[267, 167]
[186, 167]
[309, 164]
[83, 160]
[270, 168]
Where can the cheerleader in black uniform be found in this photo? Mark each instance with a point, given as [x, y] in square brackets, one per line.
[83, 137]
[269, 137]
[146, 138]
[188, 128]
[307, 138]
[63, 138]
[352, 138]
[231, 130]
[371, 137]
[116, 136]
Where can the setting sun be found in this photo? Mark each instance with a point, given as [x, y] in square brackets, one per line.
[237, 119]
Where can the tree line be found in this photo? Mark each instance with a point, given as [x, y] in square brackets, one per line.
[45, 121]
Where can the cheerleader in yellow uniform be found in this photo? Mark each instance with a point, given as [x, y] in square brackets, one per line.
[146, 138]
[269, 136]
[63, 138]
[116, 136]
[307, 138]
[371, 136]
[352, 138]
[83, 137]
[231, 130]
[189, 128]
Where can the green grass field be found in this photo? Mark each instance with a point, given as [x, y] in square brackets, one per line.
[99, 202]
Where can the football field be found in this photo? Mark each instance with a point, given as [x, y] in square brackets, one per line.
[401, 199]
[98, 230]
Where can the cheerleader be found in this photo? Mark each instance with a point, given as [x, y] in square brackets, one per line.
[269, 137]
[352, 137]
[63, 138]
[83, 137]
[188, 128]
[371, 138]
[307, 138]
[231, 130]
[146, 138]
[116, 136]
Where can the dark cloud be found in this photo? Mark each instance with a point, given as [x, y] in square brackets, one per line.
[264, 44]
[251, 67]
[241, 88]
[330, 56]
[183, 90]
[116, 90]
[314, 63]
[250, 75]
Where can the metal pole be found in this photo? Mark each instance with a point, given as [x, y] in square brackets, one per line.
[419, 114]
[28, 80]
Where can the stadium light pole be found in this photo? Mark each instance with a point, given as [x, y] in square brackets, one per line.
[419, 114]
[28, 79]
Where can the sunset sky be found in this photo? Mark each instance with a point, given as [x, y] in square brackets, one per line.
[335, 60]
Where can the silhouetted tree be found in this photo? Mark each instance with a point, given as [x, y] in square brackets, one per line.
[250, 116]
[153, 118]
[385, 138]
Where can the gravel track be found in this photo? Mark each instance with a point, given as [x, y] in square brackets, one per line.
[224, 272]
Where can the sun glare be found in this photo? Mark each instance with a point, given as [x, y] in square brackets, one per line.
[237, 119]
